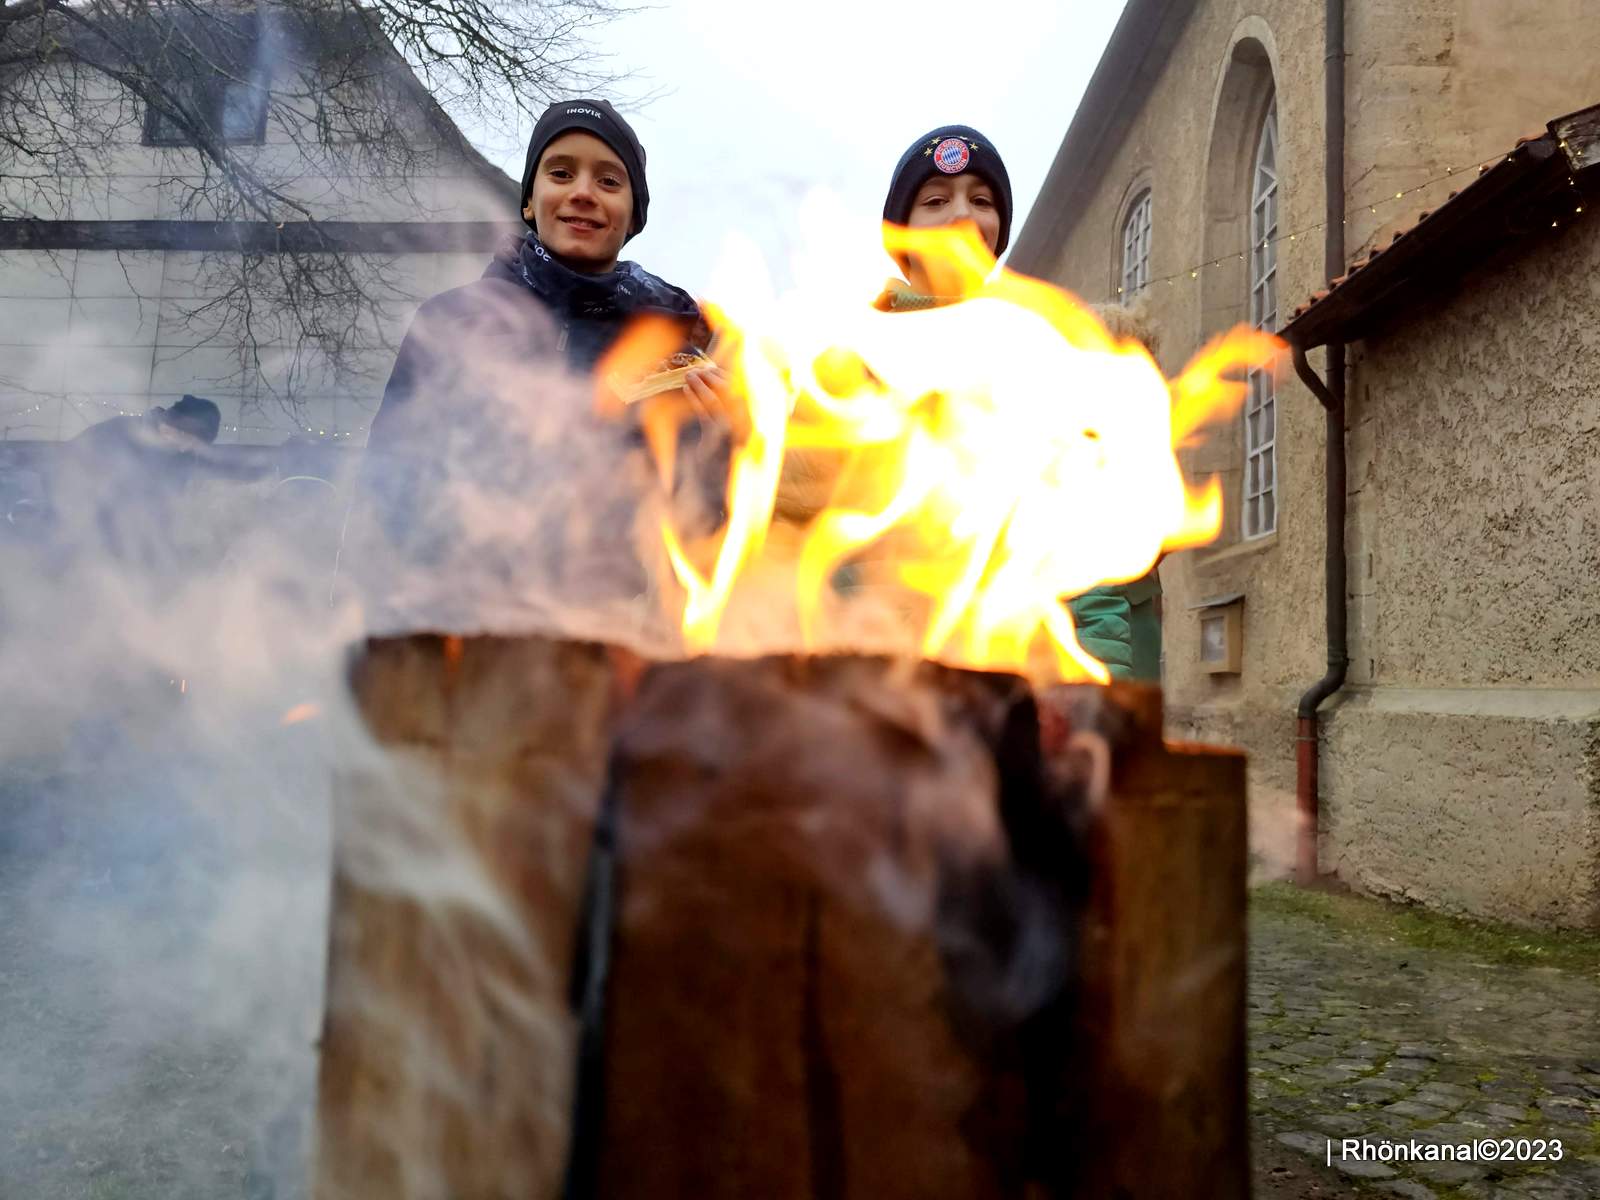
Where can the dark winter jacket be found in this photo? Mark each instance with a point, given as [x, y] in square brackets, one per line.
[120, 486]
[528, 310]
[487, 450]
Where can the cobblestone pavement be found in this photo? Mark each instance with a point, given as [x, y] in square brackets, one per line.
[1378, 1023]
[1366, 1020]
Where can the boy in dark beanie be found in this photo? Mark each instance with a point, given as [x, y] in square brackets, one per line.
[605, 125]
[561, 287]
[950, 174]
[474, 369]
[583, 195]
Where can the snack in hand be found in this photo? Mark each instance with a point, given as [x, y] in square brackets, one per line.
[667, 377]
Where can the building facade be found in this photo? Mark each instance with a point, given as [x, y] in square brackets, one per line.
[130, 274]
[1456, 767]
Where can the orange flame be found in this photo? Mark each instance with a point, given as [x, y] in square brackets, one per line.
[988, 459]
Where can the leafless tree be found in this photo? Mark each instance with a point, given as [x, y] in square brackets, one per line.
[281, 122]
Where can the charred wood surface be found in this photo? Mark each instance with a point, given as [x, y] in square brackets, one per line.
[782, 1020]
[1160, 1033]
[877, 929]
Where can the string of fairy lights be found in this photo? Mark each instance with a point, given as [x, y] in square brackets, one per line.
[9, 419]
[1371, 206]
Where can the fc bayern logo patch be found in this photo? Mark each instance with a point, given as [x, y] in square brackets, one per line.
[951, 155]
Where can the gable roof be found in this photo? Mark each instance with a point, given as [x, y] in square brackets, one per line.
[448, 132]
[1538, 186]
[353, 32]
[1133, 60]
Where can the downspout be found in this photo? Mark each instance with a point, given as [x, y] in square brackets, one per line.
[1306, 782]
[1331, 395]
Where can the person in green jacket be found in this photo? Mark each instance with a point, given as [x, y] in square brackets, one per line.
[1132, 322]
[953, 174]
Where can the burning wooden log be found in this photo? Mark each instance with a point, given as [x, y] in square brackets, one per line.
[1161, 1104]
[447, 1037]
[875, 928]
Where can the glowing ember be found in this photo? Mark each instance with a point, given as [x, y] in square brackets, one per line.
[300, 712]
[980, 462]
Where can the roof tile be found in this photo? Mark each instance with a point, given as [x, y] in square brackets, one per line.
[1371, 254]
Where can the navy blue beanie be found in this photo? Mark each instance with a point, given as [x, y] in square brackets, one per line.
[949, 150]
[604, 122]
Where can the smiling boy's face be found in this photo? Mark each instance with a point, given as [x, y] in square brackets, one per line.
[581, 202]
[945, 200]
[951, 198]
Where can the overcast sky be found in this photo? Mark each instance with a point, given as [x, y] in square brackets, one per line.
[757, 103]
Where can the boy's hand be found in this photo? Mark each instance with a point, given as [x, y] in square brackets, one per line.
[710, 393]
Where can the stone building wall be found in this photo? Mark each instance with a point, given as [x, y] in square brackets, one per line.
[1432, 85]
[1461, 762]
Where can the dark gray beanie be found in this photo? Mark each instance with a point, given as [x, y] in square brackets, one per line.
[949, 150]
[606, 123]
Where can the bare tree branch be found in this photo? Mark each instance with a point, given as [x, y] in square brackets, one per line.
[304, 111]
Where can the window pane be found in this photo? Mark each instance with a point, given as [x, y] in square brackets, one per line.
[1260, 508]
[1136, 247]
[168, 131]
[242, 105]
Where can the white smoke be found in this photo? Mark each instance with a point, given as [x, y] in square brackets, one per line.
[177, 711]
[163, 847]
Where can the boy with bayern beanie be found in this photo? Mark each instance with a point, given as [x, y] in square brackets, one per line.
[950, 174]
[953, 174]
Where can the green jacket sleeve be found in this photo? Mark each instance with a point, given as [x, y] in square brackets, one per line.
[1102, 618]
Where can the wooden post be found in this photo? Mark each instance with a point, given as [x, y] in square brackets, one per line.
[876, 934]
[1161, 1028]
[460, 855]
[781, 1013]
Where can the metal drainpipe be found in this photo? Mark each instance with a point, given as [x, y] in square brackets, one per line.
[1331, 395]
[1306, 789]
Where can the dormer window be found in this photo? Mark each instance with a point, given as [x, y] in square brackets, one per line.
[218, 81]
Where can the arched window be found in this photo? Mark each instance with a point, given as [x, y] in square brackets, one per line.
[1260, 418]
[1136, 248]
